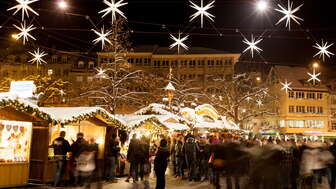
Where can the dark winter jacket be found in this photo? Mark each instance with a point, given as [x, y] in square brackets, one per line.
[179, 149]
[78, 147]
[134, 143]
[61, 146]
[191, 149]
[113, 149]
[161, 159]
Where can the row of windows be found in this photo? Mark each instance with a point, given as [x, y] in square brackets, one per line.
[302, 123]
[305, 95]
[15, 73]
[307, 109]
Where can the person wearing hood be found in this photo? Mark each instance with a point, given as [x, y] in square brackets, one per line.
[161, 163]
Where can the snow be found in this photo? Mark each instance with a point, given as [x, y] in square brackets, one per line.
[170, 87]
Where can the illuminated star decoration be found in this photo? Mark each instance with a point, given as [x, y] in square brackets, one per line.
[101, 73]
[202, 11]
[323, 49]
[38, 57]
[259, 103]
[179, 42]
[102, 37]
[286, 86]
[24, 31]
[289, 14]
[24, 7]
[252, 45]
[113, 8]
[314, 77]
[62, 93]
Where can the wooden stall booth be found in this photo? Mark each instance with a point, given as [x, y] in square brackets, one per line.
[93, 122]
[17, 120]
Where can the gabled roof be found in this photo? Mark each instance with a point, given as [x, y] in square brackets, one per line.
[297, 75]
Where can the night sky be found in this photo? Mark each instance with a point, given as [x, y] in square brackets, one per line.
[153, 20]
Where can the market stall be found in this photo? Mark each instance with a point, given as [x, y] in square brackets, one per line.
[17, 120]
[93, 122]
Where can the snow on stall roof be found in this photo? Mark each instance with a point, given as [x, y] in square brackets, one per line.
[26, 102]
[132, 120]
[68, 113]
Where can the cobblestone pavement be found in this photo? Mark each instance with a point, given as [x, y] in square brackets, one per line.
[171, 183]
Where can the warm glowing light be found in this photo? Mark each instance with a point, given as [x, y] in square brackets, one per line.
[62, 4]
[258, 79]
[113, 8]
[23, 5]
[314, 77]
[179, 42]
[289, 14]
[38, 57]
[24, 31]
[286, 86]
[262, 5]
[315, 65]
[323, 50]
[102, 37]
[202, 11]
[15, 36]
[252, 45]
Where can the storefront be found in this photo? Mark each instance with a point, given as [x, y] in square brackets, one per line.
[93, 122]
[15, 145]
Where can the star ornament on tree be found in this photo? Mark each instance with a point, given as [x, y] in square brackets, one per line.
[202, 11]
[252, 45]
[102, 37]
[323, 50]
[23, 5]
[101, 73]
[286, 86]
[24, 32]
[259, 103]
[314, 77]
[113, 7]
[38, 57]
[289, 14]
[179, 42]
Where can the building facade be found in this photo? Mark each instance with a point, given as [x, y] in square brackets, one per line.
[200, 65]
[305, 109]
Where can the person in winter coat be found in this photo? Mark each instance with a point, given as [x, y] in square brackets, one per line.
[161, 163]
[133, 146]
[76, 149]
[179, 157]
[61, 148]
[191, 150]
[112, 155]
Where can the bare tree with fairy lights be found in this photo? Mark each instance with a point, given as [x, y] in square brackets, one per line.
[242, 98]
[116, 82]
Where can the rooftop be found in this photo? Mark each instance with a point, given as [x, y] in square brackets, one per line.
[298, 76]
[155, 49]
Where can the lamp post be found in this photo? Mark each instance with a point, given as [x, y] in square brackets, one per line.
[170, 89]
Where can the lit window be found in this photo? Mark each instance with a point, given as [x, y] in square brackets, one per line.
[79, 78]
[50, 72]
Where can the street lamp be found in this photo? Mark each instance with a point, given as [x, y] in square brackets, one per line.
[15, 36]
[315, 65]
[62, 4]
[261, 5]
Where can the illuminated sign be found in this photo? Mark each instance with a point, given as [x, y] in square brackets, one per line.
[22, 89]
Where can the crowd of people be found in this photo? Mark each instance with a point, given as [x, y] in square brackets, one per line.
[241, 163]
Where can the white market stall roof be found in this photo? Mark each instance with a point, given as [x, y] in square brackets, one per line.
[28, 106]
[132, 120]
[71, 114]
[58, 114]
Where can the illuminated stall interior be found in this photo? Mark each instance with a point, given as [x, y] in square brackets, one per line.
[15, 144]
